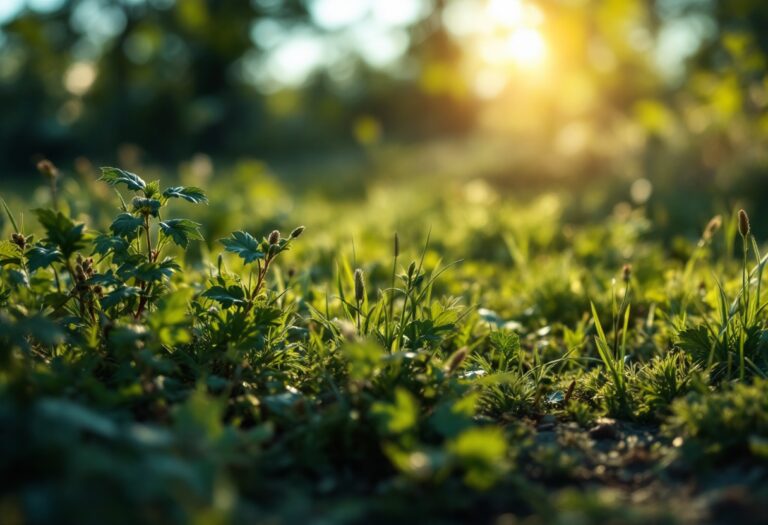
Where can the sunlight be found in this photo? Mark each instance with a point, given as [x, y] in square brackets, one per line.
[510, 35]
[526, 47]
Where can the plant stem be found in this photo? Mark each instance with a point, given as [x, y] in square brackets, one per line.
[145, 288]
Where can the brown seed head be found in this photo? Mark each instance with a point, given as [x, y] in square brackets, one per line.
[744, 228]
[456, 359]
[19, 240]
[626, 273]
[713, 226]
[47, 169]
[397, 245]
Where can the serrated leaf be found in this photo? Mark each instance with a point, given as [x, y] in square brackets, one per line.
[10, 253]
[225, 296]
[154, 271]
[128, 264]
[61, 231]
[181, 231]
[126, 225]
[115, 176]
[103, 244]
[104, 279]
[188, 193]
[152, 189]
[243, 244]
[42, 256]
[119, 295]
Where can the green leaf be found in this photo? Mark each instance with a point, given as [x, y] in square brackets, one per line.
[104, 279]
[482, 453]
[61, 231]
[226, 296]
[363, 359]
[126, 225]
[115, 176]
[181, 231]
[152, 189]
[42, 257]
[119, 295]
[398, 417]
[103, 244]
[154, 271]
[188, 193]
[146, 206]
[10, 253]
[243, 244]
[10, 215]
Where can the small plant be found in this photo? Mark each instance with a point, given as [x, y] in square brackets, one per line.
[613, 353]
[132, 247]
[732, 342]
[263, 253]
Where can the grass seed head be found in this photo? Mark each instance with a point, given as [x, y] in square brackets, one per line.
[713, 226]
[744, 227]
[359, 285]
[626, 273]
[397, 245]
[47, 169]
[458, 357]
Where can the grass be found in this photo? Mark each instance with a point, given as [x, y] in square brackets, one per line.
[438, 358]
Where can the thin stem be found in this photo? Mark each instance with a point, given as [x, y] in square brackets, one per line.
[149, 240]
[145, 288]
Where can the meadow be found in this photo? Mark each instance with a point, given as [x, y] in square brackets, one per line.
[177, 347]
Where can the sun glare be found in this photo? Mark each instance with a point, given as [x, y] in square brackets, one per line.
[526, 47]
[511, 35]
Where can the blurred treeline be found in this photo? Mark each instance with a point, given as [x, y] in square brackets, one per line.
[670, 90]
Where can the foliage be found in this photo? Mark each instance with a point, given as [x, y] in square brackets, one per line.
[197, 372]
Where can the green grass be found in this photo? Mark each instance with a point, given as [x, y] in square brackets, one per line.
[450, 356]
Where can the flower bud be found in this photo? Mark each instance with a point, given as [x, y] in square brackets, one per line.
[297, 232]
[274, 237]
[19, 240]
